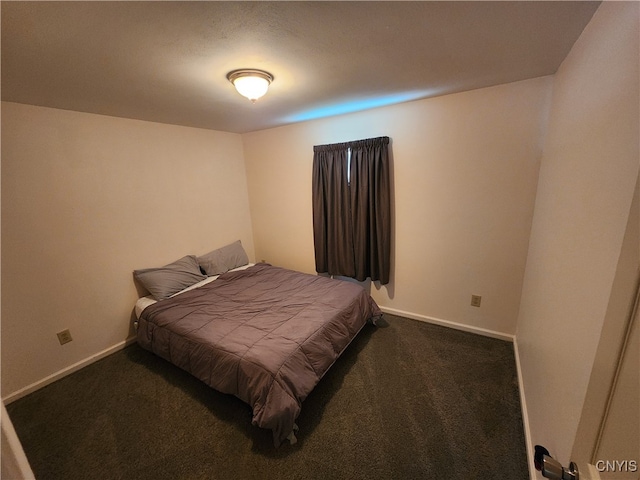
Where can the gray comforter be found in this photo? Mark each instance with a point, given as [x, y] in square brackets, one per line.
[266, 335]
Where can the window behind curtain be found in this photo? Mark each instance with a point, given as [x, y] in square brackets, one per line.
[351, 209]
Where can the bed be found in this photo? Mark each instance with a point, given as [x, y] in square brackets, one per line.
[262, 333]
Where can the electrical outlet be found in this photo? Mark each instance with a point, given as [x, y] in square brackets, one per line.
[64, 337]
[475, 300]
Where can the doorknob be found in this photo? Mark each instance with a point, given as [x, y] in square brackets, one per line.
[551, 468]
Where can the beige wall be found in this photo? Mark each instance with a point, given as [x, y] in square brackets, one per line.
[85, 200]
[465, 171]
[586, 185]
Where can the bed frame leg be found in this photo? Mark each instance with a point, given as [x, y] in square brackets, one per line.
[292, 436]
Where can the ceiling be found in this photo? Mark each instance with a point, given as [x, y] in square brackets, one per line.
[167, 61]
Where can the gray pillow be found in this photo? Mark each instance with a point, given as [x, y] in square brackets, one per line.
[162, 282]
[223, 259]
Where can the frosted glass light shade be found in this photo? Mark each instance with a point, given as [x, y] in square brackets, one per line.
[252, 84]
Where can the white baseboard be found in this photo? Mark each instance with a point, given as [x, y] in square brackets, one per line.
[14, 461]
[446, 323]
[119, 346]
[525, 417]
[66, 371]
[414, 316]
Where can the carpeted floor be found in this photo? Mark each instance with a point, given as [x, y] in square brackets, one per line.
[407, 400]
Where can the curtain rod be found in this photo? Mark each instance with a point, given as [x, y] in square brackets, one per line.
[353, 144]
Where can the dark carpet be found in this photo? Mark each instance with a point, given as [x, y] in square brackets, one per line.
[407, 400]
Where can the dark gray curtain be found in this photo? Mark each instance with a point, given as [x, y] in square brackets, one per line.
[352, 221]
[333, 235]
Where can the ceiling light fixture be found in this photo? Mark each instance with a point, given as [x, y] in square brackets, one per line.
[250, 83]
